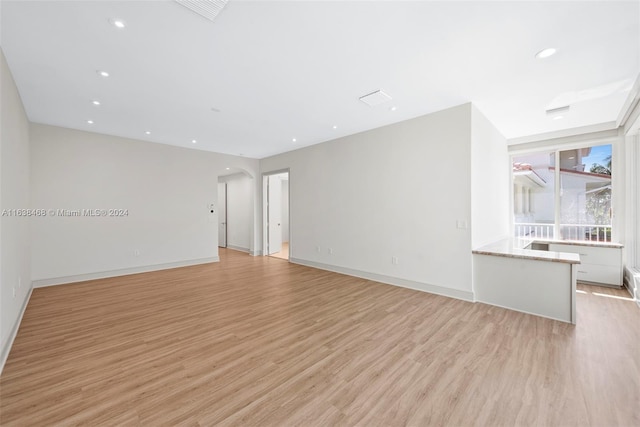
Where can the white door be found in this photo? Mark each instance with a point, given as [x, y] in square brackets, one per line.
[222, 214]
[274, 214]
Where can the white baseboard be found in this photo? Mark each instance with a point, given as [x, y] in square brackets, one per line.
[389, 280]
[238, 248]
[14, 332]
[257, 252]
[122, 272]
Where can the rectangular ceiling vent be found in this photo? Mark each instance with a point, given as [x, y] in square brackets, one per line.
[375, 98]
[558, 110]
[206, 8]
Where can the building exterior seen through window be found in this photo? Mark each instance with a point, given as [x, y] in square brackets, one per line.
[582, 208]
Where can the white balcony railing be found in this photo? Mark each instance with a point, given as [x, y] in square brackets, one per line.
[592, 232]
[543, 231]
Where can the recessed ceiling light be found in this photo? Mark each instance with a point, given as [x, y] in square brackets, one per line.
[545, 53]
[119, 23]
[393, 108]
[96, 103]
[335, 126]
[148, 132]
[227, 168]
[193, 141]
[558, 118]
[294, 140]
[90, 122]
[102, 73]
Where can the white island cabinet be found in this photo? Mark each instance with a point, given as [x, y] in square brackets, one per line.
[600, 263]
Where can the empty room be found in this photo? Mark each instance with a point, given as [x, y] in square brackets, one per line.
[319, 213]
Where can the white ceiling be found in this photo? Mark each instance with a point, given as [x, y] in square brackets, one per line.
[294, 69]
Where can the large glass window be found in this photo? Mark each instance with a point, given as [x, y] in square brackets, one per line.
[534, 195]
[585, 194]
[572, 202]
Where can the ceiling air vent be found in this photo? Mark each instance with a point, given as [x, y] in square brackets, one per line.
[375, 98]
[206, 8]
[558, 110]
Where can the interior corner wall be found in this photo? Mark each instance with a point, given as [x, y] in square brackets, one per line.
[358, 202]
[239, 211]
[14, 195]
[165, 192]
[257, 245]
[490, 178]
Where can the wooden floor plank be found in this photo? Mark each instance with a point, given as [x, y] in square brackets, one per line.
[257, 341]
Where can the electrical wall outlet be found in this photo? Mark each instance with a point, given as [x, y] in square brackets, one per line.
[318, 249]
[462, 224]
[14, 291]
[136, 252]
[394, 260]
[330, 250]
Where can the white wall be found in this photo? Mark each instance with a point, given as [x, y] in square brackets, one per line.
[165, 189]
[490, 177]
[396, 191]
[14, 194]
[240, 195]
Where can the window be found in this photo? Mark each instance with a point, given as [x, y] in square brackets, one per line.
[534, 195]
[572, 202]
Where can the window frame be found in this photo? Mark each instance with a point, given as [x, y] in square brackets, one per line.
[570, 143]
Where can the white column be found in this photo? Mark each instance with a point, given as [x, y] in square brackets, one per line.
[518, 199]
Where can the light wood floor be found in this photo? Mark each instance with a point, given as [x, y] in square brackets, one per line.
[257, 341]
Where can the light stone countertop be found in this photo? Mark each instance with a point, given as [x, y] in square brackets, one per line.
[515, 248]
[591, 243]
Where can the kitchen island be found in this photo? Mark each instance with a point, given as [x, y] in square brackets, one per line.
[509, 274]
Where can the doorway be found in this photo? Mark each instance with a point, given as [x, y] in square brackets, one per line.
[222, 214]
[235, 214]
[276, 214]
